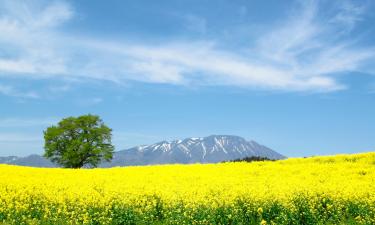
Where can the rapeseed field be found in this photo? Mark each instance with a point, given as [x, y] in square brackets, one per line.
[318, 190]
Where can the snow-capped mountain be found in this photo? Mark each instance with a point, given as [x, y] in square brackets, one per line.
[211, 149]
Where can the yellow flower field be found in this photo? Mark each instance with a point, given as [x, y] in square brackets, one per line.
[318, 190]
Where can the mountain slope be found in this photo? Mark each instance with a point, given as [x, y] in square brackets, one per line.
[211, 149]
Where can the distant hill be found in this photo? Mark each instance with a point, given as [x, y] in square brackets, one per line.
[31, 160]
[211, 149]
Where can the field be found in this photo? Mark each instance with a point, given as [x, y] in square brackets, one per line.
[318, 190]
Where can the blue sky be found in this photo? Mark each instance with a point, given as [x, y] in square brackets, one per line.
[296, 76]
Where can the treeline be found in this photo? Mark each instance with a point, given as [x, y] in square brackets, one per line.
[251, 159]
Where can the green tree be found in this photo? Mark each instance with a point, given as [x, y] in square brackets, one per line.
[78, 141]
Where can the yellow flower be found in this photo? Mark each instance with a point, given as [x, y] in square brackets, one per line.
[87, 196]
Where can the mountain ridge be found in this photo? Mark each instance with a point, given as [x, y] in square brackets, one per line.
[210, 149]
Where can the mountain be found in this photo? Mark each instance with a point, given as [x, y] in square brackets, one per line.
[211, 149]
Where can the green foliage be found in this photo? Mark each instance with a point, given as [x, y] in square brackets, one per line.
[251, 159]
[78, 141]
[303, 211]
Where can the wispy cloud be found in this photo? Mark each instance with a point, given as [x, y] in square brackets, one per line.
[28, 36]
[312, 50]
[27, 122]
[298, 54]
[349, 14]
[11, 91]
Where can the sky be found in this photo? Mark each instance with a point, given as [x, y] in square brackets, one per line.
[296, 76]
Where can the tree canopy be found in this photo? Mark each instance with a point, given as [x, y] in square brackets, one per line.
[79, 141]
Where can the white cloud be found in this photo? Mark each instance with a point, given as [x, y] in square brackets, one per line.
[310, 49]
[16, 66]
[27, 122]
[28, 35]
[11, 91]
[349, 14]
[296, 55]
[35, 14]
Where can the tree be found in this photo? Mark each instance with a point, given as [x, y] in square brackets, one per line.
[78, 141]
